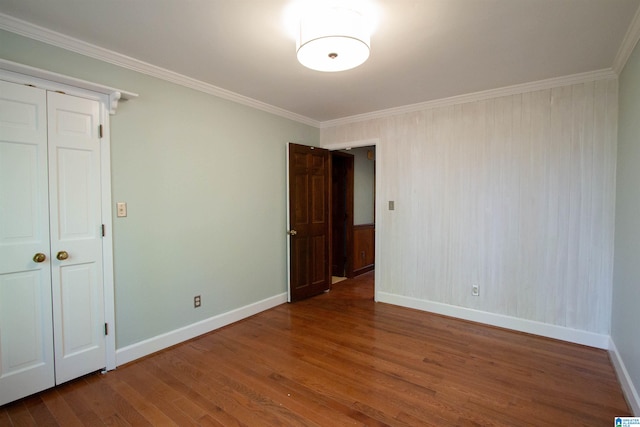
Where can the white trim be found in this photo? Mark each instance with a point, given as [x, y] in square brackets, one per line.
[477, 96]
[144, 348]
[350, 144]
[508, 322]
[107, 240]
[628, 43]
[53, 38]
[46, 77]
[51, 85]
[629, 390]
[356, 144]
[288, 225]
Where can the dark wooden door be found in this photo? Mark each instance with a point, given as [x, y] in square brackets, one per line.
[309, 221]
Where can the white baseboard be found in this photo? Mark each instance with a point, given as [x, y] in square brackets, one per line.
[144, 348]
[508, 322]
[629, 390]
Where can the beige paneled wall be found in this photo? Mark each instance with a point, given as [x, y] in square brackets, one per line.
[515, 194]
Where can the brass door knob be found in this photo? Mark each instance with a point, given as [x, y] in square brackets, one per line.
[62, 255]
[39, 257]
[293, 232]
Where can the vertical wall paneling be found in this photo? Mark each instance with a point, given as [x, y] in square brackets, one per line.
[515, 194]
[610, 197]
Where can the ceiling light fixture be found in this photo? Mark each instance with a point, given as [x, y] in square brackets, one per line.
[333, 39]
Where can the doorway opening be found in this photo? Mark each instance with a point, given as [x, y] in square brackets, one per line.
[310, 236]
[352, 212]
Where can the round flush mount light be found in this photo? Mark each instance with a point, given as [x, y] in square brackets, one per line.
[333, 39]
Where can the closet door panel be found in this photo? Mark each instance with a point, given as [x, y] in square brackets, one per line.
[76, 235]
[26, 330]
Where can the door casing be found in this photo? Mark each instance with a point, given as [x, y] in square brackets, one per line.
[379, 204]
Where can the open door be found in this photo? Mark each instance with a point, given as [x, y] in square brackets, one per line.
[309, 267]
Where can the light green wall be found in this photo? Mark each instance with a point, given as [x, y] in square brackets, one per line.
[626, 276]
[204, 181]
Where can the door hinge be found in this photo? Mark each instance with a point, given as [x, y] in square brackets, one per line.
[106, 329]
[103, 233]
[99, 131]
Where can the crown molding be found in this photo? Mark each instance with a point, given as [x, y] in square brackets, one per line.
[53, 38]
[477, 96]
[628, 43]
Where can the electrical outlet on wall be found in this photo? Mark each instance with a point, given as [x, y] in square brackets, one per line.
[475, 290]
[121, 209]
[197, 301]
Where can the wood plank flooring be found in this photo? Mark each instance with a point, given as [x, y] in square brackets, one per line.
[340, 359]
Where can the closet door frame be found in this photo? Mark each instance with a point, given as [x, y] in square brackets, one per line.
[106, 106]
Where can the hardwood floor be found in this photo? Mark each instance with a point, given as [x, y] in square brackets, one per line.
[340, 359]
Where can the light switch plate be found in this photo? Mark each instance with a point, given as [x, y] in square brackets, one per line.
[392, 205]
[121, 209]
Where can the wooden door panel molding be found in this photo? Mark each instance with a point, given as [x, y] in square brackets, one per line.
[364, 248]
[309, 216]
[300, 211]
[299, 263]
[318, 260]
[318, 200]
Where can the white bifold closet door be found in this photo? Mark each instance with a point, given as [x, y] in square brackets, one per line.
[51, 290]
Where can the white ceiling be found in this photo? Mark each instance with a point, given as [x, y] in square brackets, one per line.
[421, 50]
